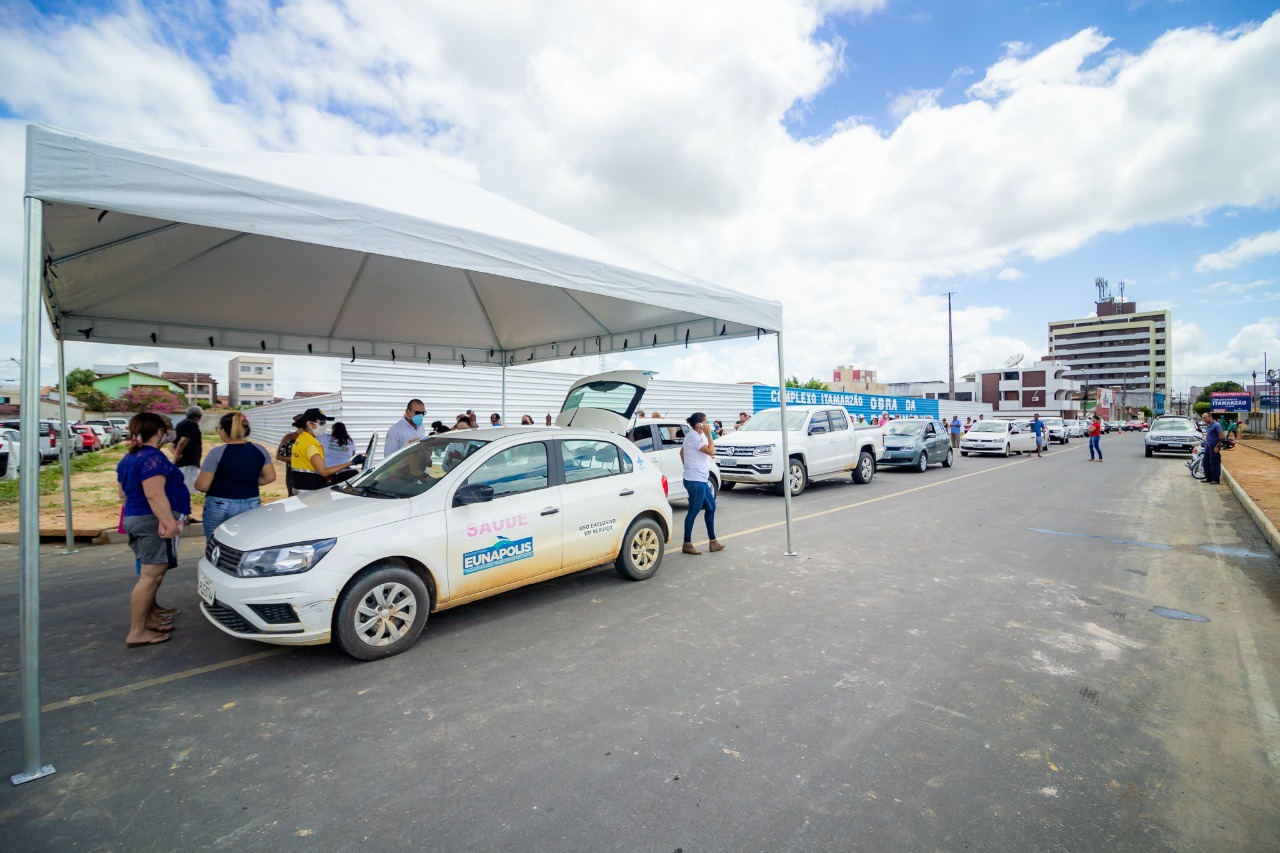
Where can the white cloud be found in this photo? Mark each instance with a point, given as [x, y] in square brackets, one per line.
[1198, 359]
[660, 126]
[1240, 252]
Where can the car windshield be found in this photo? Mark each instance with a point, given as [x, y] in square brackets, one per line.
[416, 468]
[1173, 425]
[1053, 422]
[904, 428]
[988, 426]
[770, 419]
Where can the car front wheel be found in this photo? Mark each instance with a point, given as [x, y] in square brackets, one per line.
[382, 612]
[865, 469]
[642, 550]
[1006, 451]
[1149, 452]
[922, 464]
[727, 485]
[795, 478]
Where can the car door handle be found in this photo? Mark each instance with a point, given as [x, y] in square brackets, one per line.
[551, 510]
[625, 492]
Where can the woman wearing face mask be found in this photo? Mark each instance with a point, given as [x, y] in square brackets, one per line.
[309, 471]
[156, 502]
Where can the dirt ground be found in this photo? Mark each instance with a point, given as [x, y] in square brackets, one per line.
[1257, 473]
[94, 503]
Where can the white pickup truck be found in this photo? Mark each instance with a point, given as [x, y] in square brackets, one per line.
[822, 440]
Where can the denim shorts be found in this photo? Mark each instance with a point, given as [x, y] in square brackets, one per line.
[218, 510]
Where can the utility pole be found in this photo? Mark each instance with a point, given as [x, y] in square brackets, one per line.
[951, 354]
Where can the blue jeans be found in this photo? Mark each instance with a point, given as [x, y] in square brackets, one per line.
[1095, 443]
[218, 510]
[700, 498]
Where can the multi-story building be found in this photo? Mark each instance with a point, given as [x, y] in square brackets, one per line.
[1022, 390]
[252, 380]
[855, 380]
[1121, 348]
[197, 386]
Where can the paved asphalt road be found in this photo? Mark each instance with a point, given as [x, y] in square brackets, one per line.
[959, 660]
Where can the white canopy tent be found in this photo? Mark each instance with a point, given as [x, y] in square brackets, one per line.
[364, 258]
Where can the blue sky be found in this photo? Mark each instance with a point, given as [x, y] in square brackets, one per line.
[854, 158]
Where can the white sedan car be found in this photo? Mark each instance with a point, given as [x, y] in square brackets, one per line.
[447, 520]
[1002, 437]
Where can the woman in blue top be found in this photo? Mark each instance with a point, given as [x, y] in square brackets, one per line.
[156, 502]
[232, 473]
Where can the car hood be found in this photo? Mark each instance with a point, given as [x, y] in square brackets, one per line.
[307, 516]
[752, 439]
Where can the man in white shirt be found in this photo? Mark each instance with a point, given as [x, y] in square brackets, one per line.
[406, 430]
[696, 454]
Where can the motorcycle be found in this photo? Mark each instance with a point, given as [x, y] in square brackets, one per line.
[1196, 462]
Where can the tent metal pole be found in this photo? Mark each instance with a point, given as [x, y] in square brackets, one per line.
[29, 499]
[786, 448]
[503, 409]
[66, 451]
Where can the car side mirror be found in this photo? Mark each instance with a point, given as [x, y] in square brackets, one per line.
[473, 493]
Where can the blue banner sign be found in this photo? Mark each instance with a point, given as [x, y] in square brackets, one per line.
[1229, 401]
[1269, 401]
[868, 405]
[1158, 404]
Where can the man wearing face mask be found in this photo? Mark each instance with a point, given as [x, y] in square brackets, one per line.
[407, 429]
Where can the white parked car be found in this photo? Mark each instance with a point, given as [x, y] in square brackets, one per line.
[444, 521]
[10, 451]
[822, 440]
[609, 401]
[1076, 429]
[1057, 430]
[1002, 437]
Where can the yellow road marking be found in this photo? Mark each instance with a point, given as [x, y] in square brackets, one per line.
[150, 682]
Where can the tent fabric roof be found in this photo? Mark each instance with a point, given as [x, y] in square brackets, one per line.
[371, 257]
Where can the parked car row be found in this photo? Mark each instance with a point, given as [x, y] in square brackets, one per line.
[84, 437]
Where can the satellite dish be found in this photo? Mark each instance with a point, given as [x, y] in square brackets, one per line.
[1272, 376]
[1014, 360]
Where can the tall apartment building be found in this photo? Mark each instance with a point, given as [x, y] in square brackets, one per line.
[1121, 348]
[252, 380]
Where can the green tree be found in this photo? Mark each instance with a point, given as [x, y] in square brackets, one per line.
[1147, 412]
[812, 384]
[1201, 407]
[80, 377]
[92, 399]
[1213, 387]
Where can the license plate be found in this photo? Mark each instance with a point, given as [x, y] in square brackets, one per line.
[727, 463]
[205, 587]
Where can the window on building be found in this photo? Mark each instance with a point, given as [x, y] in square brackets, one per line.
[258, 369]
[245, 386]
[1010, 374]
[244, 368]
[258, 386]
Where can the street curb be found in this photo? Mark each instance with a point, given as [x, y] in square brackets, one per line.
[1259, 449]
[1265, 526]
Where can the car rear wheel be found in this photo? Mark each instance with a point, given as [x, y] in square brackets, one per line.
[795, 477]
[381, 612]
[922, 464]
[949, 461]
[865, 469]
[642, 550]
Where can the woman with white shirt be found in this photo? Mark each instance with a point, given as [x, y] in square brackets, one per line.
[697, 452]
